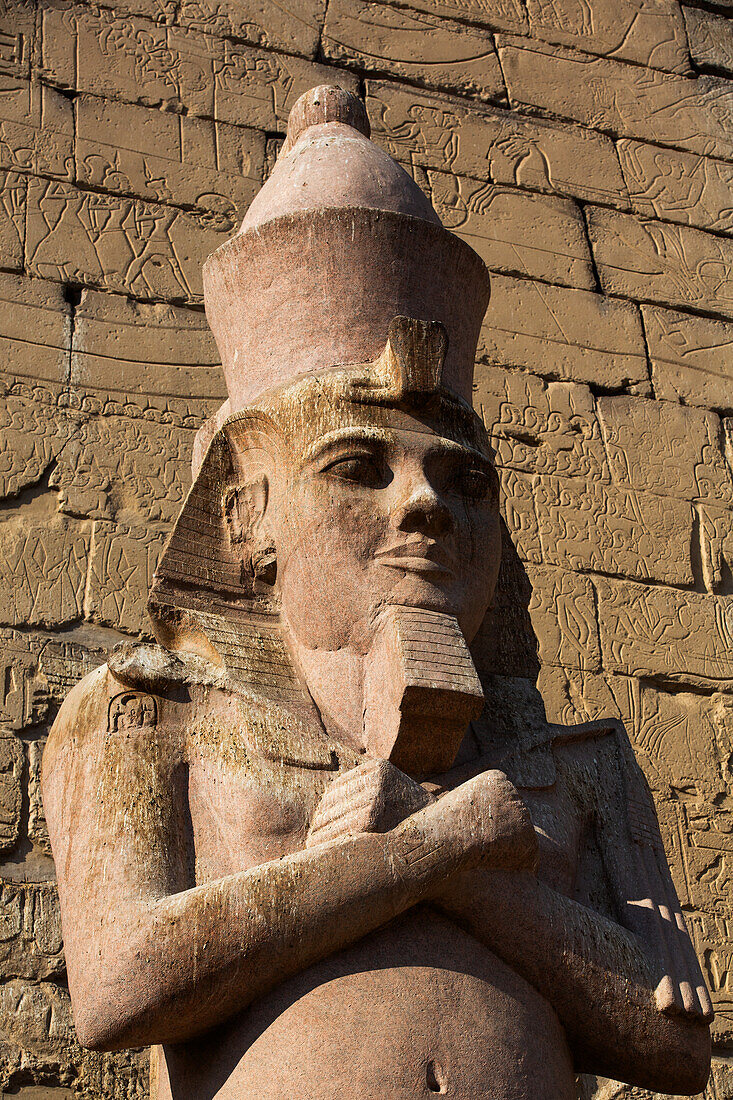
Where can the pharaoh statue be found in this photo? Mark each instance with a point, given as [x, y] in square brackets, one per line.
[294, 853]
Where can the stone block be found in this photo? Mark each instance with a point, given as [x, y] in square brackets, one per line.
[168, 158]
[587, 526]
[428, 131]
[563, 334]
[624, 100]
[132, 469]
[520, 515]
[650, 33]
[119, 244]
[128, 348]
[37, 828]
[24, 695]
[35, 332]
[17, 25]
[658, 447]
[122, 564]
[11, 793]
[669, 264]
[294, 28]
[677, 636]
[30, 931]
[716, 547]
[678, 187]
[13, 199]
[37, 131]
[33, 435]
[711, 39]
[539, 427]
[377, 37]
[138, 61]
[500, 15]
[562, 610]
[691, 357]
[43, 568]
[539, 236]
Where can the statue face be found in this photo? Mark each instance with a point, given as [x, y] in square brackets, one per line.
[383, 510]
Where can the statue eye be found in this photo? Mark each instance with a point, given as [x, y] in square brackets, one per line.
[362, 469]
[474, 483]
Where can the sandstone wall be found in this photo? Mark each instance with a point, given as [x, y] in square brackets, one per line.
[585, 149]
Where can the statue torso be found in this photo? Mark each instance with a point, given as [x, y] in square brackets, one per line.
[416, 1008]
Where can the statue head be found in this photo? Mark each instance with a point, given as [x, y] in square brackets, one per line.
[347, 474]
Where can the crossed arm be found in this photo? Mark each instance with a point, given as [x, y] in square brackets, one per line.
[152, 960]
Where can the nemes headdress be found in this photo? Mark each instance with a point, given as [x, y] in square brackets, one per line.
[341, 265]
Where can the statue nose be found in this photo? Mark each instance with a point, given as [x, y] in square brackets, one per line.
[423, 511]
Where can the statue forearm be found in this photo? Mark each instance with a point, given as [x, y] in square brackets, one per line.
[163, 969]
[595, 973]
[170, 968]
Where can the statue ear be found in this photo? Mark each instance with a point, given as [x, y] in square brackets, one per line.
[244, 508]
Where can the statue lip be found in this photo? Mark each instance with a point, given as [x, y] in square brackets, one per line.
[423, 556]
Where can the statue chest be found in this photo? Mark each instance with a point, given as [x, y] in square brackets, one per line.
[253, 782]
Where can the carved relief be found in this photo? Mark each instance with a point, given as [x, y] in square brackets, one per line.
[629, 101]
[438, 132]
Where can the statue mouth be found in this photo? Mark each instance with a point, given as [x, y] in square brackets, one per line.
[425, 556]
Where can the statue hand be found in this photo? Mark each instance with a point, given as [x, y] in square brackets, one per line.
[371, 798]
[487, 817]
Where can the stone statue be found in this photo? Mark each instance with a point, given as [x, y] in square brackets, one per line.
[293, 852]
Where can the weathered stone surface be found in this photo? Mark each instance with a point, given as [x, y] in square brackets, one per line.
[152, 349]
[711, 39]
[663, 448]
[121, 244]
[513, 231]
[13, 198]
[30, 931]
[540, 427]
[720, 1087]
[168, 158]
[37, 130]
[562, 610]
[519, 513]
[379, 38]
[661, 632]
[691, 357]
[122, 563]
[292, 27]
[625, 100]
[650, 33]
[11, 794]
[669, 264]
[428, 131]
[678, 187]
[43, 566]
[504, 15]
[587, 526]
[139, 61]
[571, 335]
[716, 542]
[35, 337]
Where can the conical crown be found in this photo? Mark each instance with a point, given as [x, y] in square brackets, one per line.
[338, 243]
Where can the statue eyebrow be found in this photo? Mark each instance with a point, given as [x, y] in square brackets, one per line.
[357, 433]
[353, 434]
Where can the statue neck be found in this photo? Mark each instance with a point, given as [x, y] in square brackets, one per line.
[335, 680]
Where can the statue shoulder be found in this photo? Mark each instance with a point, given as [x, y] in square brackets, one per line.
[82, 713]
[151, 668]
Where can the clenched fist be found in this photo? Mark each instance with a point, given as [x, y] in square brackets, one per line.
[372, 798]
